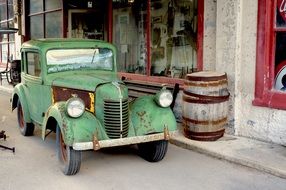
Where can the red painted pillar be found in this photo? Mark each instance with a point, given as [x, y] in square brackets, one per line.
[110, 21]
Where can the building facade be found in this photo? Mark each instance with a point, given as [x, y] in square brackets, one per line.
[163, 40]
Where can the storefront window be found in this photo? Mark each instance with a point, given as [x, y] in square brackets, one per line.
[53, 25]
[87, 24]
[270, 88]
[156, 37]
[280, 62]
[129, 35]
[174, 36]
[3, 10]
[4, 47]
[10, 9]
[280, 50]
[53, 4]
[36, 6]
[37, 29]
[7, 41]
[12, 50]
[45, 22]
[280, 13]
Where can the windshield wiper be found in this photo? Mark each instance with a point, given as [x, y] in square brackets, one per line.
[95, 50]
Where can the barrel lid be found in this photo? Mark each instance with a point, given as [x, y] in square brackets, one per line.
[206, 76]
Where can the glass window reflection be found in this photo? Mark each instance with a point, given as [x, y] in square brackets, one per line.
[280, 62]
[36, 6]
[53, 25]
[37, 29]
[174, 36]
[129, 35]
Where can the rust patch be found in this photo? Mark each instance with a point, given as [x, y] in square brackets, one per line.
[96, 145]
[64, 126]
[63, 94]
[141, 114]
[166, 134]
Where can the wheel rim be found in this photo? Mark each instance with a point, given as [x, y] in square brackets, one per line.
[21, 117]
[63, 148]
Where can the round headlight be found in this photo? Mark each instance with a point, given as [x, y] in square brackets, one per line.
[164, 98]
[75, 107]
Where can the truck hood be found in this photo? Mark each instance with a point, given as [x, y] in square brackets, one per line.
[87, 82]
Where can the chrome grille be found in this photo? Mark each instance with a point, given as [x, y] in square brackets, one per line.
[116, 118]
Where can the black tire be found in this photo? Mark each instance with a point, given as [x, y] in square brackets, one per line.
[153, 151]
[26, 129]
[69, 158]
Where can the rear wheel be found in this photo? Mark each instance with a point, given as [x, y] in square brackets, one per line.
[69, 158]
[153, 151]
[26, 129]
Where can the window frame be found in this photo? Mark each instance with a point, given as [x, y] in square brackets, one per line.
[265, 94]
[6, 22]
[43, 13]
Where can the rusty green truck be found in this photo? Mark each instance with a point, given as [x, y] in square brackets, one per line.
[70, 87]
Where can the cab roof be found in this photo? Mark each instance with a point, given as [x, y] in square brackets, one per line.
[57, 43]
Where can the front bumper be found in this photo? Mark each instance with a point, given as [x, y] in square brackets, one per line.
[96, 145]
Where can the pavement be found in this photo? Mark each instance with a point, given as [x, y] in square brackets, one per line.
[263, 156]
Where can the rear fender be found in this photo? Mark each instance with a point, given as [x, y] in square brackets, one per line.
[18, 94]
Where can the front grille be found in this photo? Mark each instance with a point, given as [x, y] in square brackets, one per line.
[116, 118]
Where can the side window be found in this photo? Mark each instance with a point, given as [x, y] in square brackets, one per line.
[33, 64]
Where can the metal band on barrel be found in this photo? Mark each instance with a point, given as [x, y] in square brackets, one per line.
[223, 120]
[203, 99]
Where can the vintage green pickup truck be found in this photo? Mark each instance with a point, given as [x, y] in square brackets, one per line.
[70, 86]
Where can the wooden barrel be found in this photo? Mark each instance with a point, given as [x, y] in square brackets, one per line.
[205, 105]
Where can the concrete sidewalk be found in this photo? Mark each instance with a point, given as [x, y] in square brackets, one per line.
[266, 157]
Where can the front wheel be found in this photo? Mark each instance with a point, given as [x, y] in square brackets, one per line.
[153, 151]
[26, 129]
[69, 158]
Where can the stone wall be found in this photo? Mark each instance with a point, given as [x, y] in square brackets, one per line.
[209, 42]
[257, 122]
[227, 49]
[235, 39]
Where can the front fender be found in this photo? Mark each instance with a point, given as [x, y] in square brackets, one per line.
[147, 117]
[18, 94]
[81, 129]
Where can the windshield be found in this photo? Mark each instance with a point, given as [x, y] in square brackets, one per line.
[75, 59]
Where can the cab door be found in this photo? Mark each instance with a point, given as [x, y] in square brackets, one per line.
[34, 89]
